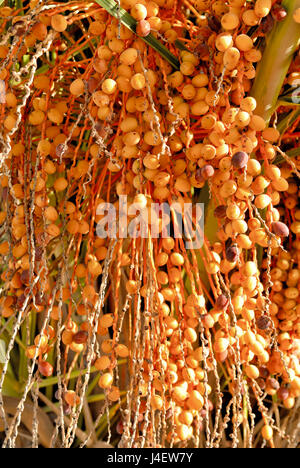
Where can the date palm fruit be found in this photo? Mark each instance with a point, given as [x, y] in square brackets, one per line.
[164, 105]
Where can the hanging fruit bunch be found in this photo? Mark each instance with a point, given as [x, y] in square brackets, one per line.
[169, 103]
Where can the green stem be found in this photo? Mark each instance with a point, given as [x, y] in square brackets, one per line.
[113, 416]
[99, 397]
[23, 373]
[92, 385]
[277, 57]
[288, 121]
[293, 153]
[76, 373]
[211, 228]
[54, 380]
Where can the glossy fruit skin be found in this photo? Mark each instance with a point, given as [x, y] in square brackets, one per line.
[220, 211]
[240, 159]
[222, 302]
[232, 253]
[280, 229]
[198, 176]
[207, 171]
[143, 28]
[81, 337]
[267, 432]
[283, 393]
[263, 322]
[273, 383]
[120, 427]
[278, 12]
[45, 368]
